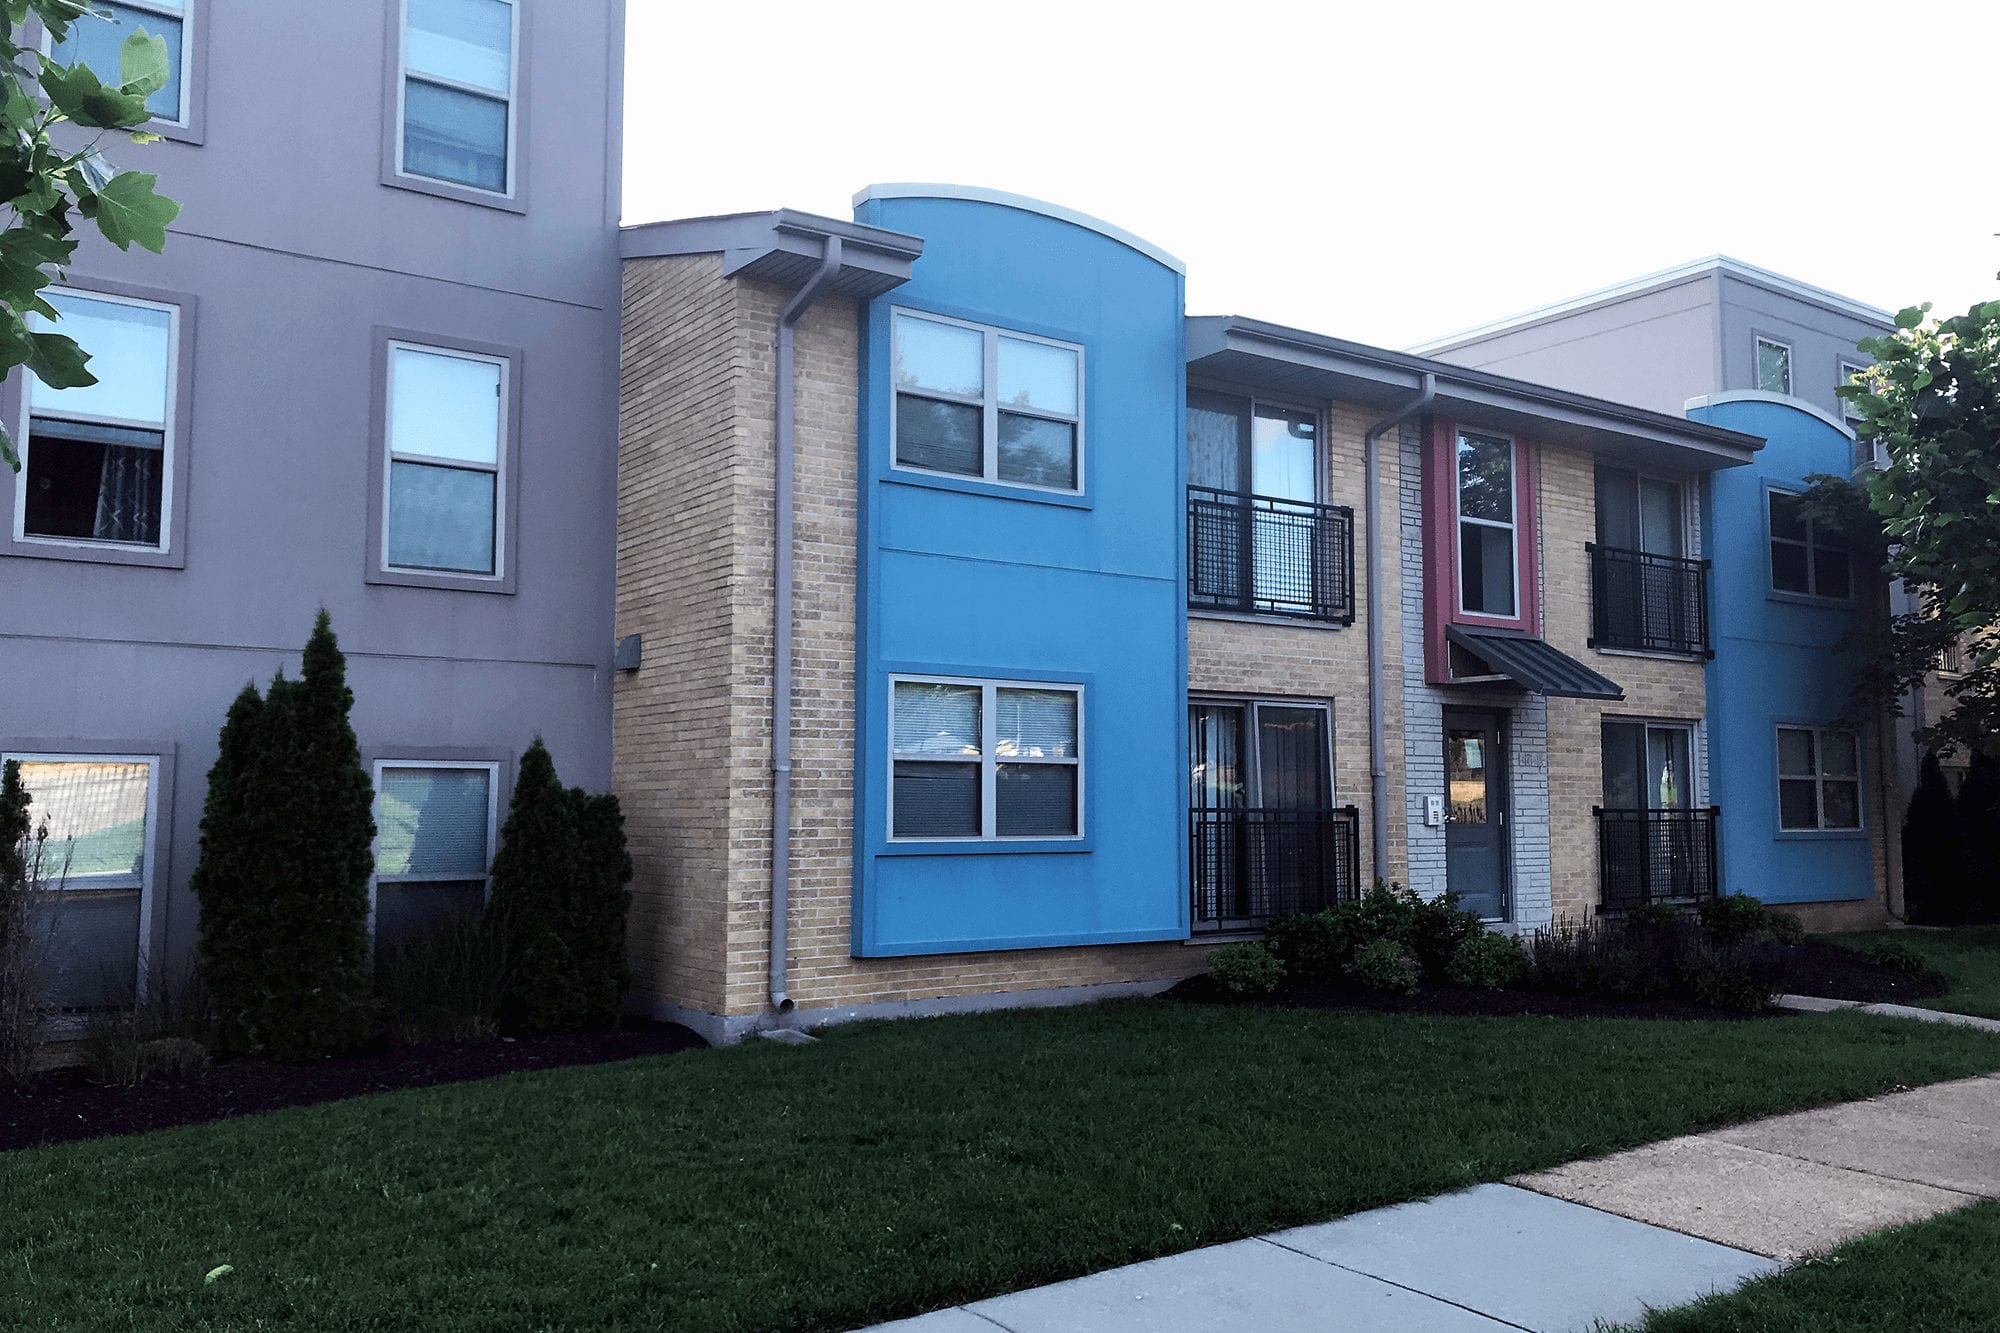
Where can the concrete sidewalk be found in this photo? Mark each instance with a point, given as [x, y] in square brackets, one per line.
[1598, 1241]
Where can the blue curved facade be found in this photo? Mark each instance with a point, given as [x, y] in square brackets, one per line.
[1783, 660]
[975, 579]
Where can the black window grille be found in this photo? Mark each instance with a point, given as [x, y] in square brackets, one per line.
[1648, 603]
[1251, 867]
[1655, 856]
[1261, 555]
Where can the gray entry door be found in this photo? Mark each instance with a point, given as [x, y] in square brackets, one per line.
[1475, 830]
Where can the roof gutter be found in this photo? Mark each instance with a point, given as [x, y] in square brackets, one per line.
[781, 620]
[1378, 745]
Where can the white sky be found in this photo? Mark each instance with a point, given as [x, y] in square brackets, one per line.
[1384, 172]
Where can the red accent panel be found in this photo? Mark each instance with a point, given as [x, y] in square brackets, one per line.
[1440, 533]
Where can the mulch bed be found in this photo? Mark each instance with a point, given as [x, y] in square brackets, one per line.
[1454, 1002]
[1834, 973]
[63, 1107]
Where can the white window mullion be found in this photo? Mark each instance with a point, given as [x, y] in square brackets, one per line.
[989, 764]
[990, 418]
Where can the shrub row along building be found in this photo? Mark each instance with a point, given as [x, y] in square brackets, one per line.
[958, 619]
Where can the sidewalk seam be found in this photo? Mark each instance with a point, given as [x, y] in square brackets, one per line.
[1390, 1282]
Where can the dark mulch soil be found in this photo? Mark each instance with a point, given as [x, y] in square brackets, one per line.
[1455, 1002]
[1834, 973]
[63, 1107]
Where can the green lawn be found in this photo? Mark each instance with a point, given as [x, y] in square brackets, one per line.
[1938, 1276]
[1969, 955]
[889, 1168]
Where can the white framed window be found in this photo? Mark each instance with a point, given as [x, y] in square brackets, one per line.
[1774, 366]
[1488, 574]
[435, 824]
[96, 36]
[983, 760]
[1806, 557]
[444, 482]
[1819, 780]
[101, 816]
[98, 461]
[457, 99]
[1850, 371]
[986, 403]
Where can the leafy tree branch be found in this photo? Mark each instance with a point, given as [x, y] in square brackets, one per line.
[45, 188]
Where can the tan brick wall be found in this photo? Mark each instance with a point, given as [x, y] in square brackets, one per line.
[693, 726]
[671, 721]
[1668, 689]
[1236, 657]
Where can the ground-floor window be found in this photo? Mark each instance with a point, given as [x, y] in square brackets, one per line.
[1266, 839]
[93, 820]
[985, 760]
[1655, 842]
[434, 829]
[1819, 779]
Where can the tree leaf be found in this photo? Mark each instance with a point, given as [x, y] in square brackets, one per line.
[142, 64]
[76, 92]
[58, 362]
[128, 211]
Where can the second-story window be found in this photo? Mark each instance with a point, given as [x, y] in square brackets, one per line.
[1259, 541]
[446, 437]
[95, 39]
[1774, 366]
[459, 61]
[1806, 557]
[984, 403]
[1486, 532]
[99, 459]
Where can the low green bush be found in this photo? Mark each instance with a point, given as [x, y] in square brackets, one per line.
[1249, 968]
[1439, 927]
[1486, 961]
[1314, 946]
[1736, 917]
[1900, 958]
[1387, 965]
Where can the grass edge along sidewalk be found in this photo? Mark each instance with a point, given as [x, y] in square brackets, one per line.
[888, 1169]
[1934, 1276]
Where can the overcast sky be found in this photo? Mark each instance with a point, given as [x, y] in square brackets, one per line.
[1377, 171]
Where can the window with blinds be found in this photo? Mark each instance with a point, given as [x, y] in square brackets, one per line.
[433, 844]
[985, 760]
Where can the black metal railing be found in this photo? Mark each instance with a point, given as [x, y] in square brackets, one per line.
[1655, 856]
[1648, 603]
[1251, 867]
[1260, 555]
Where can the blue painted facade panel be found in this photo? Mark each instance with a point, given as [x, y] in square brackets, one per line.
[1780, 659]
[975, 580]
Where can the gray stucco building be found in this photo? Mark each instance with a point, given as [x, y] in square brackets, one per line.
[1716, 325]
[376, 371]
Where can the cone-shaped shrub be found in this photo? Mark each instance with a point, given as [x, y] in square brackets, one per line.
[1936, 874]
[285, 858]
[558, 901]
[598, 941]
[1979, 813]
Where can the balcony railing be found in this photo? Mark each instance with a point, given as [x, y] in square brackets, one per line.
[1259, 555]
[1655, 856]
[1251, 867]
[1648, 603]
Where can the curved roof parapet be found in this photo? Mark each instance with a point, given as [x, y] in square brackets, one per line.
[1766, 396]
[980, 195]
